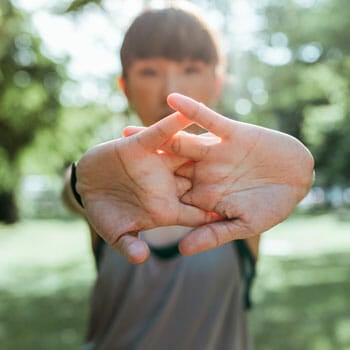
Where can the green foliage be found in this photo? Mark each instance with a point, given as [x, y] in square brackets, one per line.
[78, 5]
[37, 133]
[5, 170]
[29, 90]
[309, 93]
[76, 130]
[306, 95]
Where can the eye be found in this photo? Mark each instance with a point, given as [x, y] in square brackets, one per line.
[192, 69]
[148, 72]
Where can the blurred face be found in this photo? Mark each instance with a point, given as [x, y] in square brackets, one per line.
[150, 81]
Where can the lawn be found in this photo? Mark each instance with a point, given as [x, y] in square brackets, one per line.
[302, 290]
[300, 295]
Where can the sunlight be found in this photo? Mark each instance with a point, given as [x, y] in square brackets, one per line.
[244, 25]
[91, 40]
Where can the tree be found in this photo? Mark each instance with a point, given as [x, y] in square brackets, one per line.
[29, 98]
[303, 62]
[296, 78]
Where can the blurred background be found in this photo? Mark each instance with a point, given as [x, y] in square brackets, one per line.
[288, 68]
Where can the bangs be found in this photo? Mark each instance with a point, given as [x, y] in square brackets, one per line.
[169, 33]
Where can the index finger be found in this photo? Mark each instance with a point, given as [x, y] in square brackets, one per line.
[156, 135]
[202, 115]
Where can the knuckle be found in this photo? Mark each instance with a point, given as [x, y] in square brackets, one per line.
[176, 145]
[214, 236]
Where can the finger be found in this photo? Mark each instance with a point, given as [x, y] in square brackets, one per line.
[117, 229]
[182, 144]
[132, 248]
[192, 216]
[203, 197]
[191, 146]
[202, 115]
[173, 162]
[131, 130]
[156, 135]
[186, 171]
[182, 185]
[213, 235]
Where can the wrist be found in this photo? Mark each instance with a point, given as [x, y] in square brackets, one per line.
[73, 182]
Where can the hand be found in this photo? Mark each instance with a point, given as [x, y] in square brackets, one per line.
[127, 186]
[252, 176]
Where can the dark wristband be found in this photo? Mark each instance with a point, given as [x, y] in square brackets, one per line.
[73, 182]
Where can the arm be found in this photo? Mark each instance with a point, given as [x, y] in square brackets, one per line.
[68, 196]
[73, 206]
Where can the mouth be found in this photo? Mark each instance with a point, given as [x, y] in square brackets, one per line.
[166, 113]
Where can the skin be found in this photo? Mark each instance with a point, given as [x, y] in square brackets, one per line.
[251, 176]
[229, 187]
[129, 195]
[147, 85]
[150, 81]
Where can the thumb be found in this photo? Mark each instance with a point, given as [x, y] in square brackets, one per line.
[213, 235]
[132, 248]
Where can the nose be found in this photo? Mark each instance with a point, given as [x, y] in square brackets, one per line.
[172, 82]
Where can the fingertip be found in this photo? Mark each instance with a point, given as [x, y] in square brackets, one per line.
[131, 130]
[171, 97]
[132, 248]
[183, 250]
[126, 132]
[182, 185]
[212, 216]
[187, 198]
[175, 99]
[137, 253]
[187, 247]
[199, 240]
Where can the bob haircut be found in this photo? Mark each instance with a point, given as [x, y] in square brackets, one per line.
[170, 33]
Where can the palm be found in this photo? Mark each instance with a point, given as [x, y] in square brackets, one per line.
[238, 174]
[136, 187]
[252, 176]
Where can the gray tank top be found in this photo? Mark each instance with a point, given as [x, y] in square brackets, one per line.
[193, 302]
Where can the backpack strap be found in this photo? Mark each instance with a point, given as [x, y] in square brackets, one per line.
[98, 250]
[248, 270]
[97, 245]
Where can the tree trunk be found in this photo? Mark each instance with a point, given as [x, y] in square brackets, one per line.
[8, 208]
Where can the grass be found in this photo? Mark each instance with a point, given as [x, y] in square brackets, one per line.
[46, 272]
[302, 290]
[300, 295]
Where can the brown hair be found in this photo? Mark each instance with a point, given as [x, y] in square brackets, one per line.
[172, 33]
